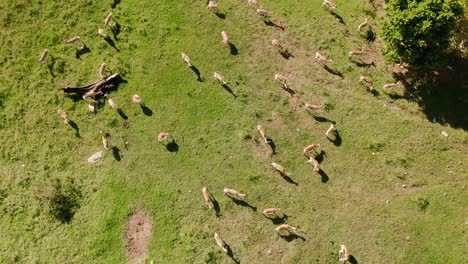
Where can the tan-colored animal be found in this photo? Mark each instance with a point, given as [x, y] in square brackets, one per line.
[355, 52]
[261, 130]
[343, 254]
[92, 106]
[220, 78]
[186, 59]
[163, 136]
[270, 212]
[310, 148]
[102, 33]
[330, 130]
[278, 46]
[252, 2]
[285, 227]
[113, 104]
[91, 94]
[136, 99]
[63, 115]
[108, 19]
[221, 243]
[366, 80]
[225, 38]
[312, 106]
[234, 194]
[208, 198]
[43, 56]
[321, 59]
[264, 13]
[329, 4]
[282, 80]
[391, 85]
[312, 161]
[279, 168]
[102, 70]
[362, 25]
[105, 140]
[73, 40]
[213, 6]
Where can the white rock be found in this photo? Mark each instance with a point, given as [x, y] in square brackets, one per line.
[445, 134]
[95, 158]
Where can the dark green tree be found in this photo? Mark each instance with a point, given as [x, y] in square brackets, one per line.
[418, 31]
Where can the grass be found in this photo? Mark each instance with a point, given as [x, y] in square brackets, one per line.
[386, 142]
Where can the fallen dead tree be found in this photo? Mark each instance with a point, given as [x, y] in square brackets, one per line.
[97, 88]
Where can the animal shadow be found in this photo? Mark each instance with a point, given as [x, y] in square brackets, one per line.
[233, 48]
[172, 146]
[231, 254]
[289, 90]
[337, 73]
[75, 127]
[338, 17]
[272, 145]
[111, 43]
[352, 260]
[116, 30]
[80, 52]
[220, 15]
[288, 179]
[286, 55]
[197, 72]
[216, 207]
[50, 65]
[361, 64]
[122, 114]
[244, 204]
[292, 237]
[270, 23]
[146, 110]
[116, 153]
[319, 156]
[115, 3]
[337, 141]
[374, 92]
[229, 90]
[324, 176]
[277, 220]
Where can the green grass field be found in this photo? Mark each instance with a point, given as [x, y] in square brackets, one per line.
[387, 141]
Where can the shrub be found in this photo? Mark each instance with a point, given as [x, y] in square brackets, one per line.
[418, 31]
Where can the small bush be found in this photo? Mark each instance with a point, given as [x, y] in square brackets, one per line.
[423, 204]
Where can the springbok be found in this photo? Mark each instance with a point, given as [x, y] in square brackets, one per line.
[73, 40]
[252, 2]
[234, 194]
[102, 70]
[136, 99]
[221, 243]
[213, 6]
[207, 197]
[312, 106]
[321, 59]
[345, 252]
[220, 78]
[329, 4]
[281, 80]
[186, 59]
[312, 161]
[102, 33]
[330, 130]
[366, 80]
[262, 133]
[362, 25]
[263, 13]
[63, 115]
[278, 46]
[105, 140]
[112, 104]
[163, 136]
[310, 148]
[225, 38]
[108, 19]
[279, 168]
[285, 227]
[355, 52]
[270, 212]
[43, 56]
[391, 85]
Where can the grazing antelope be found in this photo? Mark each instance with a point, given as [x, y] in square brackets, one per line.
[102, 70]
[73, 40]
[312, 161]
[281, 79]
[329, 4]
[345, 252]
[105, 140]
[163, 136]
[219, 78]
[355, 52]
[285, 227]
[252, 2]
[367, 80]
[213, 6]
[270, 212]
[262, 133]
[207, 197]
[331, 129]
[102, 33]
[312, 106]
[234, 194]
[279, 168]
[43, 56]
[63, 115]
[108, 19]
[391, 85]
[278, 46]
[321, 59]
[136, 99]
[221, 243]
[225, 38]
[186, 59]
[362, 25]
[263, 13]
[113, 104]
[310, 148]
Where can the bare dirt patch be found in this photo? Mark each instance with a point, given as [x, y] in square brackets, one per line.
[137, 236]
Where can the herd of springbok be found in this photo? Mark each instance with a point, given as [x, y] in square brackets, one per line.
[311, 151]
